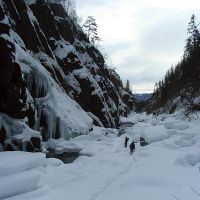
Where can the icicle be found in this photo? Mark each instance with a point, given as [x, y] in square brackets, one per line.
[37, 84]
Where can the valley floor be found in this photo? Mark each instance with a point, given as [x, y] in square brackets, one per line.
[167, 168]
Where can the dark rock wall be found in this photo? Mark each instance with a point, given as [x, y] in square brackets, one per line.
[12, 86]
[48, 35]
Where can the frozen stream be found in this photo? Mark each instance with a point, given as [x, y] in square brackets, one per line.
[168, 168]
[66, 158]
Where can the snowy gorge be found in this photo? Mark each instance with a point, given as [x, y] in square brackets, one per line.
[64, 117]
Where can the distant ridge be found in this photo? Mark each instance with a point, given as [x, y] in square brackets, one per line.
[142, 97]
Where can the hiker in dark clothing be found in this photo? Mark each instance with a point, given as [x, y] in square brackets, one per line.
[126, 141]
[143, 142]
[132, 147]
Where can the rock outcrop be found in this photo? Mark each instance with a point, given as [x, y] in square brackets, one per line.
[51, 77]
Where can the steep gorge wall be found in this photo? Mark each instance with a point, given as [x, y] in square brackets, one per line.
[52, 77]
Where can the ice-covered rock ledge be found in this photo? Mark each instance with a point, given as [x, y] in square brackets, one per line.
[16, 135]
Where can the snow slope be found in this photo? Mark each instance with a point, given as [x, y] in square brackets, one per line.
[167, 168]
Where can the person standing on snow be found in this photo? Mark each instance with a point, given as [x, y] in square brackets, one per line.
[126, 142]
[132, 147]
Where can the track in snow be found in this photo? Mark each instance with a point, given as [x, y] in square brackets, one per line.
[97, 195]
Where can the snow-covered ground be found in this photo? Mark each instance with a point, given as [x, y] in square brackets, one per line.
[167, 168]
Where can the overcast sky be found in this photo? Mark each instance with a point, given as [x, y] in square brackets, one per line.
[143, 38]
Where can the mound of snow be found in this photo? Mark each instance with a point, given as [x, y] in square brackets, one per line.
[20, 172]
[60, 145]
[15, 162]
[188, 160]
[19, 183]
[53, 162]
[155, 133]
[176, 125]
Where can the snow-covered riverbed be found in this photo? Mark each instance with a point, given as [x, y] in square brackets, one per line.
[168, 168]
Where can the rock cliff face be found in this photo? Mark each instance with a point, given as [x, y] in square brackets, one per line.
[51, 77]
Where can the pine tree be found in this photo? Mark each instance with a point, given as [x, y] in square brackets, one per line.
[185, 76]
[193, 40]
[90, 26]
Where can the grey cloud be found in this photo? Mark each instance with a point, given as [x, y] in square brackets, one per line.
[166, 36]
[90, 4]
[139, 70]
[117, 46]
